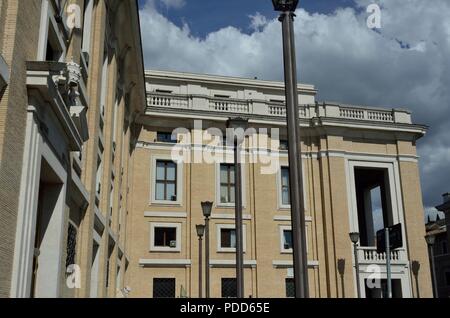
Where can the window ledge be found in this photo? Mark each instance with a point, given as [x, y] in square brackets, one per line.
[164, 250]
[165, 203]
[231, 263]
[221, 216]
[308, 218]
[145, 262]
[227, 250]
[158, 214]
[227, 206]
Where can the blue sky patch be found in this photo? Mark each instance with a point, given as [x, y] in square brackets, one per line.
[206, 16]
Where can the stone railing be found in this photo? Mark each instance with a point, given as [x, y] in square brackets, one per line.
[272, 109]
[228, 105]
[369, 255]
[167, 100]
[277, 110]
[364, 114]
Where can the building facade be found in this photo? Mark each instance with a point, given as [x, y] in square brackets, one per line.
[360, 171]
[439, 229]
[72, 84]
[103, 169]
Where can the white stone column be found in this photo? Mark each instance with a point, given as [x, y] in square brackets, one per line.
[26, 216]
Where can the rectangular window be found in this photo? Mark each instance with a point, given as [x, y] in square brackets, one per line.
[163, 91]
[287, 239]
[87, 26]
[227, 238]
[285, 191]
[374, 201]
[4, 75]
[284, 145]
[165, 137]
[229, 288]
[164, 288]
[227, 183]
[71, 245]
[447, 278]
[166, 180]
[104, 83]
[107, 273]
[290, 288]
[165, 237]
[54, 52]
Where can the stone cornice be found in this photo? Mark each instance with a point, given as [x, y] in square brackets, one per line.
[223, 80]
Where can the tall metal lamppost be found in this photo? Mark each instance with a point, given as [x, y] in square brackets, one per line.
[206, 208]
[354, 237]
[235, 129]
[200, 232]
[287, 8]
[430, 242]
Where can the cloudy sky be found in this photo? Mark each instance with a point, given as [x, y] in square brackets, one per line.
[405, 63]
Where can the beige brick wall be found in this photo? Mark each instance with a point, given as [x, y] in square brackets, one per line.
[19, 36]
[326, 207]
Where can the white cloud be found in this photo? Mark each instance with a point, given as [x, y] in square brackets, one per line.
[405, 64]
[176, 4]
[257, 21]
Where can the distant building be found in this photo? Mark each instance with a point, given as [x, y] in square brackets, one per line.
[348, 152]
[438, 228]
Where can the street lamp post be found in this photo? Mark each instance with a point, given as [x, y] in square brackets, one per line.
[236, 129]
[354, 237]
[287, 8]
[206, 208]
[430, 242]
[200, 232]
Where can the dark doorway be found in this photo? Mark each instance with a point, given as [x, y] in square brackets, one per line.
[373, 203]
[164, 288]
[229, 288]
[382, 291]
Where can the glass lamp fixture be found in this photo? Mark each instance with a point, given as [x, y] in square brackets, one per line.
[200, 230]
[354, 237]
[285, 5]
[206, 208]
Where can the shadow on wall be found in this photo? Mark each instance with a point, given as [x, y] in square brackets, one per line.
[415, 267]
[341, 270]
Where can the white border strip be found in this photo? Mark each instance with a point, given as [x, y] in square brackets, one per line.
[160, 214]
[164, 262]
